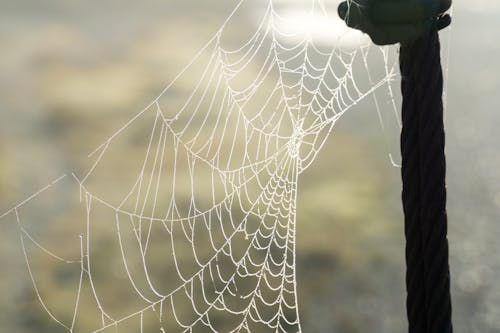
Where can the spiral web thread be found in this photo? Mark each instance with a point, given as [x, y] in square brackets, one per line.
[218, 184]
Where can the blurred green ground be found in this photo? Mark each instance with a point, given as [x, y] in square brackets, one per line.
[70, 73]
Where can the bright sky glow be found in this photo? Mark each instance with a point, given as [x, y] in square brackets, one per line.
[321, 28]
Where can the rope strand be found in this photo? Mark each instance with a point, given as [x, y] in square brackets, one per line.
[424, 190]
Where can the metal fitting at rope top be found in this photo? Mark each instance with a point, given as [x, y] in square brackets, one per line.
[395, 21]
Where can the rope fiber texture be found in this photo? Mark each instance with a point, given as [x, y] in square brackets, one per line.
[424, 190]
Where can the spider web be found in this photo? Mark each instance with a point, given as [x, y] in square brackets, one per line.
[215, 192]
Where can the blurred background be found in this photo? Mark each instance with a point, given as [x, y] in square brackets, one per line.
[72, 72]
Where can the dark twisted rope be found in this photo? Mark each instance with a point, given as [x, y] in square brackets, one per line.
[424, 191]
